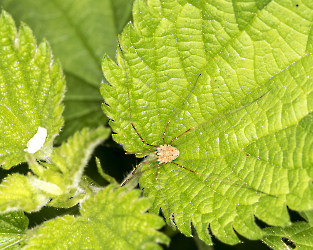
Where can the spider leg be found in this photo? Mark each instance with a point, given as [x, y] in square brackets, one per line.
[128, 96]
[228, 182]
[169, 121]
[134, 174]
[139, 153]
[167, 206]
[219, 116]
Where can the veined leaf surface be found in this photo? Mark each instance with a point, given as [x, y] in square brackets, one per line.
[31, 89]
[249, 113]
[13, 230]
[79, 33]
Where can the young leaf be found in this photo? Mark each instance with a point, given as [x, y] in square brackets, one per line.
[18, 193]
[113, 219]
[230, 86]
[62, 175]
[12, 230]
[299, 235]
[89, 29]
[105, 176]
[60, 178]
[31, 89]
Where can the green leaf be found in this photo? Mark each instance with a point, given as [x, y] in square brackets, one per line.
[18, 193]
[60, 178]
[299, 235]
[233, 83]
[113, 219]
[79, 32]
[13, 230]
[32, 88]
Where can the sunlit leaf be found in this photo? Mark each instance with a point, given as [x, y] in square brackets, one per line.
[31, 89]
[233, 83]
[17, 192]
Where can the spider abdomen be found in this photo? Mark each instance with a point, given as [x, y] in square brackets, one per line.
[166, 153]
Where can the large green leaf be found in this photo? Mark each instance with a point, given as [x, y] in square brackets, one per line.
[79, 32]
[113, 219]
[31, 89]
[244, 126]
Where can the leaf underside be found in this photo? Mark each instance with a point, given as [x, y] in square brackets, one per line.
[249, 112]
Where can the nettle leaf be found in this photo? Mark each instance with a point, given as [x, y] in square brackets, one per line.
[13, 228]
[113, 219]
[297, 236]
[31, 89]
[230, 86]
[79, 32]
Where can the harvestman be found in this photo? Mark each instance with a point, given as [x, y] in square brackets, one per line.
[167, 153]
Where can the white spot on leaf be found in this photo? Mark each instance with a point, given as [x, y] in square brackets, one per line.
[37, 141]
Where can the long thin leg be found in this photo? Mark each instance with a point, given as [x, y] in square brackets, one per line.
[156, 178]
[139, 153]
[134, 174]
[228, 182]
[167, 206]
[217, 117]
[169, 121]
[129, 106]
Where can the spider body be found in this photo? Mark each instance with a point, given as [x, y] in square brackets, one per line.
[166, 153]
